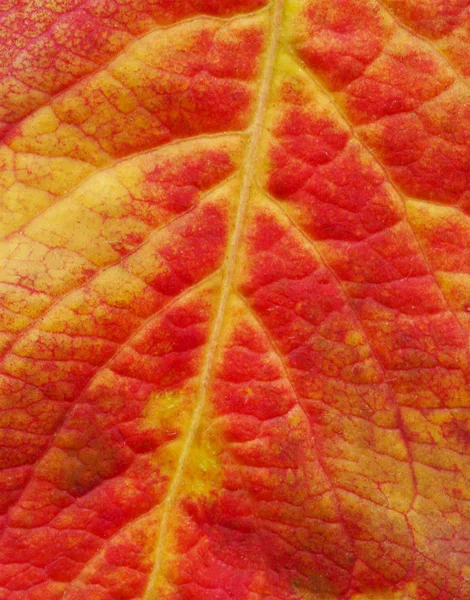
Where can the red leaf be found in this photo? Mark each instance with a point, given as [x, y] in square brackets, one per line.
[235, 288]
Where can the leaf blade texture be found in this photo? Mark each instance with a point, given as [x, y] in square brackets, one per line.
[234, 280]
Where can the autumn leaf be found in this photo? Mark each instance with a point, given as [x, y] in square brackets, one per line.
[235, 300]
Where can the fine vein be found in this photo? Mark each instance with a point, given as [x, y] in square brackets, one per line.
[247, 176]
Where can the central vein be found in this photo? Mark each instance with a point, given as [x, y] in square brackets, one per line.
[248, 171]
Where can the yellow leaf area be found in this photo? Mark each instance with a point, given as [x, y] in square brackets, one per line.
[235, 300]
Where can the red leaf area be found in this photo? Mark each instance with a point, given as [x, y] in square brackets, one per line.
[235, 295]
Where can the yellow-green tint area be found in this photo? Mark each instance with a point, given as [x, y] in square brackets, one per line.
[408, 591]
[202, 473]
[200, 482]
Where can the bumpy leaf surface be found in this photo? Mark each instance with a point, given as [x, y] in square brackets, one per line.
[235, 299]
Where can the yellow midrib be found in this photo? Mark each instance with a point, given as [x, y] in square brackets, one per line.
[247, 176]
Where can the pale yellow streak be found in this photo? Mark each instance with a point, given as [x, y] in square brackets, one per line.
[248, 171]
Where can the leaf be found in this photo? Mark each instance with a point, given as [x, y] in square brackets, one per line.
[235, 289]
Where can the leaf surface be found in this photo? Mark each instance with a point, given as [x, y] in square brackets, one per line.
[235, 295]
